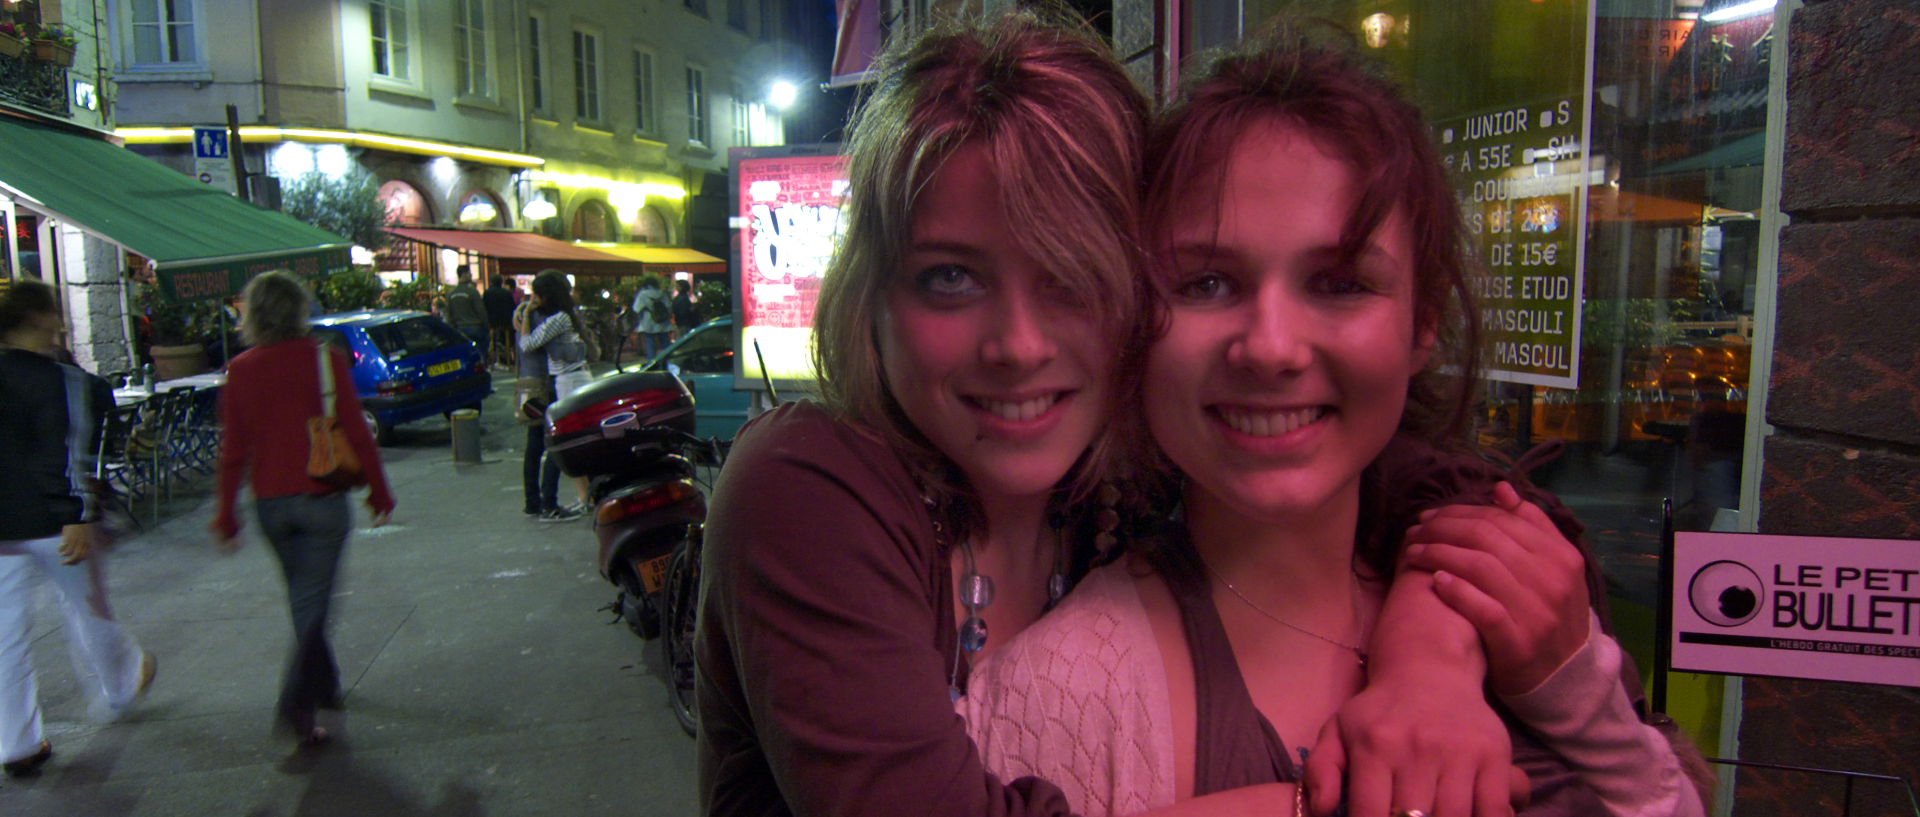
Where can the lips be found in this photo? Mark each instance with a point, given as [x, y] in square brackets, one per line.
[1263, 422]
[1016, 409]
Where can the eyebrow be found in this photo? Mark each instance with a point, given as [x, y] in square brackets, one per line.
[959, 248]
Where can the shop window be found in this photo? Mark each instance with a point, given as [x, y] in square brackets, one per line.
[163, 33]
[586, 76]
[390, 29]
[697, 126]
[472, 48]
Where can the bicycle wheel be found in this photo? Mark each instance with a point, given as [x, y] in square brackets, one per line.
[683, 596]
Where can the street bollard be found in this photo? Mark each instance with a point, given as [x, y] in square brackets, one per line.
[466, 435]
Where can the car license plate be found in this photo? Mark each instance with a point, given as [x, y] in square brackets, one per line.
[653, 573]
[443, 367]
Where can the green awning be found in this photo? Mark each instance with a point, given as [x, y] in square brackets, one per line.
[203, 242]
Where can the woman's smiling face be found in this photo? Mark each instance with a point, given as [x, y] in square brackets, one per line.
[1006, 373]
[1283, 371]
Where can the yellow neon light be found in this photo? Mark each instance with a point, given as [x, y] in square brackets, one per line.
[618, 191]
[256, 133]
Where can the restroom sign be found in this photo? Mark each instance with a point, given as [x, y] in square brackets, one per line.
[212, 163]
[1797, 606]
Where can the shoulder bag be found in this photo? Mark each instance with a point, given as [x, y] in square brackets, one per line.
[330, 457]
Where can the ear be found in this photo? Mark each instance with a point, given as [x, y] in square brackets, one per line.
[1424, 341]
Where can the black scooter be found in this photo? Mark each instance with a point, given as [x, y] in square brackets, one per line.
[630, 433]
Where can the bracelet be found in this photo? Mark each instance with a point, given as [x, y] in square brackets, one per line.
[1300, 798]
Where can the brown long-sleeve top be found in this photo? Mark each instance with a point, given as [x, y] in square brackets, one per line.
[826, 638]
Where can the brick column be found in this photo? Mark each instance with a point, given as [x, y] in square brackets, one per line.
[1844, 459]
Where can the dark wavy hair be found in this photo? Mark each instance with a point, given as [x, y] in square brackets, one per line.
[1311, 75]
[556, 295]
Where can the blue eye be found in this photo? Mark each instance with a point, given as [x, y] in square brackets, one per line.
[1206, 286]
[947, 281]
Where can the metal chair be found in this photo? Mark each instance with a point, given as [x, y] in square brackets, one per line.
[121, 464]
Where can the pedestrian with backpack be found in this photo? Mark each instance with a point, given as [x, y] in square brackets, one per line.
[653, 315]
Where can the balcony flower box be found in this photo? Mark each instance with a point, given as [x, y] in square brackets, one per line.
[53, 51]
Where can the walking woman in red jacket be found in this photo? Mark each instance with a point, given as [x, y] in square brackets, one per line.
[272, 390]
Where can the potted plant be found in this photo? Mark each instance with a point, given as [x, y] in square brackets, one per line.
[12, 44]
[178, 331]
[54, 44]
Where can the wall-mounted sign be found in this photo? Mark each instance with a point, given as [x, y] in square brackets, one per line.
[787, 211]
[1797, 606]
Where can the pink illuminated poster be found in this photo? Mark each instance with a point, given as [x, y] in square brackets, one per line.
[789, 219]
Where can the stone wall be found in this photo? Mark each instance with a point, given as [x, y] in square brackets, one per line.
[1844, 459]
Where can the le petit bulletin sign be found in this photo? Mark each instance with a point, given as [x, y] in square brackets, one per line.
[1797, 607]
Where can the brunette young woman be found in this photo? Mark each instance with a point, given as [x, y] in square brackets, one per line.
[1310, 261]
[549, 331]
[972, 336]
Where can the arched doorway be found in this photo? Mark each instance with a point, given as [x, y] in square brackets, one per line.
[406, 205]
[593, 221]
[650, 227]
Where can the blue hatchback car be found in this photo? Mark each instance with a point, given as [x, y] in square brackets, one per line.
[406, 365]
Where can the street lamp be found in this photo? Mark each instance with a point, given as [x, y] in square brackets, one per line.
[783, 94]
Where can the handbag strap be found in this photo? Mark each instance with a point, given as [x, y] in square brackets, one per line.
[326, 382]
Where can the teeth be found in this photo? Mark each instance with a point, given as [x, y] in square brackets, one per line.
[1019, 412]
[1268, 423]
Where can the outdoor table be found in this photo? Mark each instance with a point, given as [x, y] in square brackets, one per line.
[135, 394]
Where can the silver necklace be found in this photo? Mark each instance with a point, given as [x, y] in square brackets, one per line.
[1353, 648]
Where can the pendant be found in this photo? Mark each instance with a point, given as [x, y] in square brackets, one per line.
[973, 634]
[976, 591]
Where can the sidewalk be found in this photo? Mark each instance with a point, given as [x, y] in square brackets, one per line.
[482, 677]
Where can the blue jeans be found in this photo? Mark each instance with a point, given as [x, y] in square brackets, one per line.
[308, 533]
[539, 474]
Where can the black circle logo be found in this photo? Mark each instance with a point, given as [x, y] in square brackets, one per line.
[1726, 593]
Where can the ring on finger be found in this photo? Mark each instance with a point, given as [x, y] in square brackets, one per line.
[1408, 812]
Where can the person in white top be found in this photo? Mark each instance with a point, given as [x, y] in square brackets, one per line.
[1304, 391]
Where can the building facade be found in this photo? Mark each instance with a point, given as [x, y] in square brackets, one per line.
[587, 120]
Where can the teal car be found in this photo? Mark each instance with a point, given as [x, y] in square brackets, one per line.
[703, 359]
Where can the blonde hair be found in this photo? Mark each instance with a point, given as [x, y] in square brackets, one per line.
[1063, 127]
[277, 308]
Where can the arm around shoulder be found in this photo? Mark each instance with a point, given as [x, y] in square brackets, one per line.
[1582, 712]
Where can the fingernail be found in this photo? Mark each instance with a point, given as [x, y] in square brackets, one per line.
[1413, 551]
[1442, 577]
[1428, 514]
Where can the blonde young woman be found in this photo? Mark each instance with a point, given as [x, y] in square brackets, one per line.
[1309, 256]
